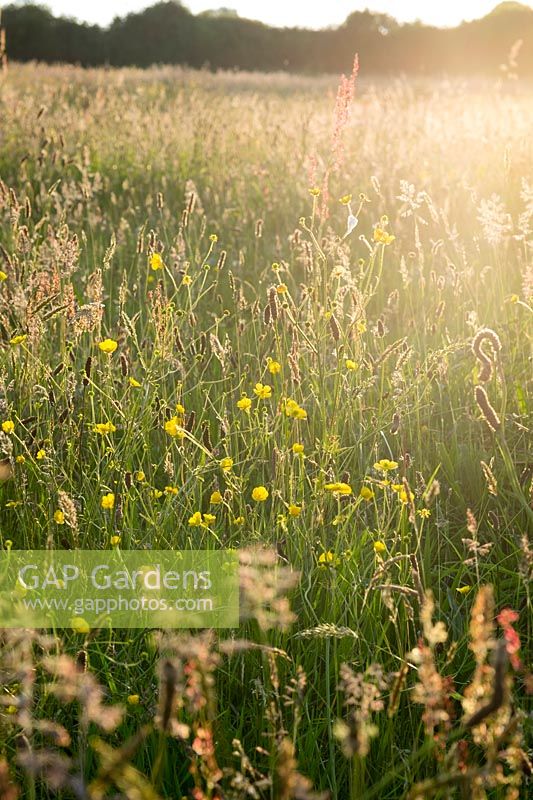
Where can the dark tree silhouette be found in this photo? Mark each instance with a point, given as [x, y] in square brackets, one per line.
[167, 33]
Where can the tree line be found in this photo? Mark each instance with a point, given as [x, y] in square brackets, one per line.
[168, 33]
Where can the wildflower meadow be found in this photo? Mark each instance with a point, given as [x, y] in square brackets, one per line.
[287, 317]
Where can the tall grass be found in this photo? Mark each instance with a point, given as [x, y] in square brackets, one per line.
[194, 221]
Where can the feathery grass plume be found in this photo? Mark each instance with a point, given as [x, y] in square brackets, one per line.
[526, 565]
[432, 689]
[487, 702]
[389, 350]
[417, 580]
[396, 689]
[471, 522]
[345, 97]
[264, 584]
[168, 695]
[395, 423]
[481, 633]
[87, 318]
[295, 369]
[334, 328]
[178, 341]
[70, 684]
[495, 221]
[490, 478]
[326, 630]
[488, 413]
[487, 361]
[289, 784]
[497, 697]
[206, 434]
[221, 260]
[68, 507]
[363, 696]
[273, 303]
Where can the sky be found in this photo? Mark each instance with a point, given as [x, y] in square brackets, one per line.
[301, 13]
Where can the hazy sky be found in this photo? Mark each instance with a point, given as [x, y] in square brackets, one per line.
[303, 13]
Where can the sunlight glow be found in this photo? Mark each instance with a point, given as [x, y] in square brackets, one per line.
[298, 13]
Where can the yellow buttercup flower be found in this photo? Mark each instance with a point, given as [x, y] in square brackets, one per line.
[180, 409]
[328, 559]
[80, 625]
[238, 521]
[174, 427]
[295, 510]
[463, 589]
[133, 699]
[196, 520]
[20, 460]
[263, 391]
[424, 513]
[186, 280]
[345, 200]
[292, 409]
[274, 367]
[108, 346]
[209, 519]
[338, 488]
[59, 517]
[383, 237]
[298, 448]
[282, 288]
[134, 384]
[380, 547]
[108, 501]
[8, 426]
[171, 490]
[216, 498]
[41, 454]
[244, 403]
[157, 494]
[259, 494]
[351, 365]
[104, 428]
[226, 464]
[314, 191]
[115, 541]
[404, 497]
[366, 493]
[156, 262]
[140, 476]
[3, 275]
[18, 339]
[385, 465]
